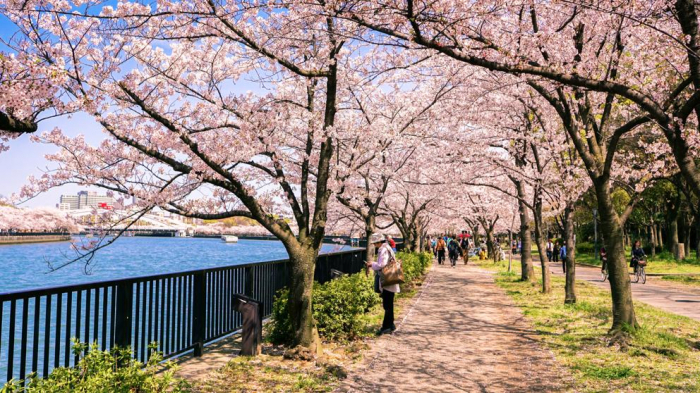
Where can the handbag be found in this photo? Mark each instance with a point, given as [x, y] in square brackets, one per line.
[392, 273]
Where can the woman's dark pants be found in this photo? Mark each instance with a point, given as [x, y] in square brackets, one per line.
[441, 256]
[388, 304]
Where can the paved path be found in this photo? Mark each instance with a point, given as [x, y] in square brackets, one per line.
[463, 334]
[668, 297]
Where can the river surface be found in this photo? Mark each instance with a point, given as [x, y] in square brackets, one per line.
[26, 266]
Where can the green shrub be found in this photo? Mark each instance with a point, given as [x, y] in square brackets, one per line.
[338, 307]
[414, 265]
[339, 304]
[585, 248]
[105, 371]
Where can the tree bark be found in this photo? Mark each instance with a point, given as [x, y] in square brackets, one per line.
[490, 243]
[528, 271]
[370, 227]
[672, 223]
[303, 261]
[652, 232]
[570, 261]
[539, 239]
[687, 225]
[620, 286]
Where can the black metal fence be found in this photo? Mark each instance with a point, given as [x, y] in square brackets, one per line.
[180, 312]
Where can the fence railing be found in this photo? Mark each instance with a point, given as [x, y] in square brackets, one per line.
[181, 312]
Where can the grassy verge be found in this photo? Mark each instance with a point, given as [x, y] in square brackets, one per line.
[661, 263]
[686, 280]
[272, 372]
[661, 356]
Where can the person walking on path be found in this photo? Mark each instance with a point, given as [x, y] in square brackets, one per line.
[440, 250]
[562, 255]
[465, 249]
[387, 293]
[555, 252]
[454, 251]
[550, 250]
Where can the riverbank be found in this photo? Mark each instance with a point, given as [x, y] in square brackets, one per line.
[8, 240]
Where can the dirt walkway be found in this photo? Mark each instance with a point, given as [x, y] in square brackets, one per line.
[462, 335]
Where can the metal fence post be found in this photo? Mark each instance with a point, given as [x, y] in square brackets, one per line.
[122, 323]
[199, 302]
[249, 281]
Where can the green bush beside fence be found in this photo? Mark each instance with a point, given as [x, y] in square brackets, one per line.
[105, 371]
[340, 304]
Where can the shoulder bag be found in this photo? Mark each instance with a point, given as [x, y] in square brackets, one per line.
[392, 273]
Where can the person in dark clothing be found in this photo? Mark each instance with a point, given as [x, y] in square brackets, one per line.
[555, 254]
[603, 259]
[562, 255]
[454, 250]
[464, 245]
[637, 255]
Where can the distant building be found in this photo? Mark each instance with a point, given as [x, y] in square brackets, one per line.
[85, 200]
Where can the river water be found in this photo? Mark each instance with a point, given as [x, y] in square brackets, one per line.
[26, 266]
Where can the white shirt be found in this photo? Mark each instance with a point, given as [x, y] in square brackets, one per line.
[384, 255]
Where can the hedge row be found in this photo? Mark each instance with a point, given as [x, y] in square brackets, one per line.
[340, 304]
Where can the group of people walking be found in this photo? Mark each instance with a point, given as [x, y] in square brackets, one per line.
[556, 251]
[452, 246]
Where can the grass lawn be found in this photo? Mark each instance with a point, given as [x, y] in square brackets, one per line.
[661, 263]
[663, 355]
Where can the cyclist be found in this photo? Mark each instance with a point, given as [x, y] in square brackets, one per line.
[637, 255]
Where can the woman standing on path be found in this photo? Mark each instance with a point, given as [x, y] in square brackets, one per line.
[384, 255]
[555, 253]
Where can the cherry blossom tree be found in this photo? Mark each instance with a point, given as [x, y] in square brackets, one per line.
[164, 84]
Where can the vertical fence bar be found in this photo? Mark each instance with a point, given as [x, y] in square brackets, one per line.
[104, 317]
[23, 344]
[47, 334]
[122, 331]
[11, 340]
[35, 336]
[66, 342]
[57, 348]
[78, 312]
[199, 312]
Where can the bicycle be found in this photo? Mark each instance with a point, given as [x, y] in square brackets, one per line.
[640, 272]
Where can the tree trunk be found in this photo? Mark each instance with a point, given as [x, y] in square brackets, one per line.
[490, 244]
[303, 260]
[570, 262]
[620, 287]
[659, 236]
[697, 236]
[673, 233]
[652, 232]
[687, 226]
[370, 227]
[528, 271]
[541, 248]
[475, 234]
